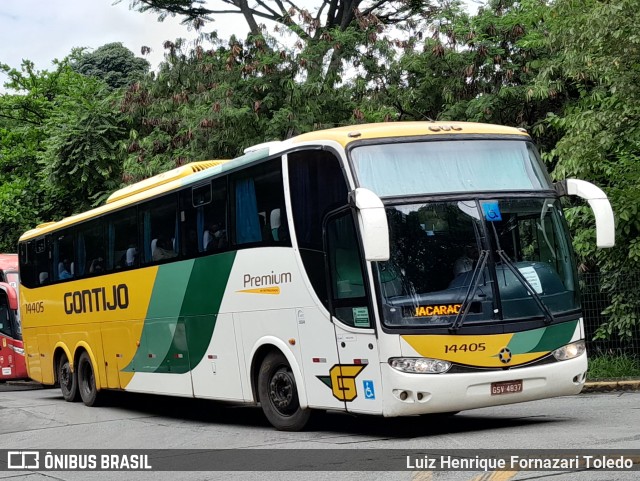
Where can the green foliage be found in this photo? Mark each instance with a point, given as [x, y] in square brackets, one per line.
[58, 130]
[610, 366]
[113, 63]
[565, 70]
[213, 102]
[80, 154]
[595, 64]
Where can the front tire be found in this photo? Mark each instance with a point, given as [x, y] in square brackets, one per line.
[67, 379]
[278, 394]
[87, 381]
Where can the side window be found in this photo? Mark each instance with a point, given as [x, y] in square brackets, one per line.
[91, 249]
[122, 240]
[204, 217]
[214, 236]
[64, 255]
[348, 294]
[159, 222]
[317, 186]
[29, 275]
[42, 256]
[258, 211]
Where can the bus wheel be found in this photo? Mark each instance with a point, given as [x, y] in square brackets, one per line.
[67, 379]
[279, 395]
[87, 381]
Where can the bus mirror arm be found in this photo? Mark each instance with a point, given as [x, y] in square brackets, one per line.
[605, 224]
[372, 219]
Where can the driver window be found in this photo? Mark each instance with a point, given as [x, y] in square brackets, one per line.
[348, 292]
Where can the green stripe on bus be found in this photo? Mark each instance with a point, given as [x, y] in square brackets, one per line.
[544, 339]
[200, 307]
[182, 314]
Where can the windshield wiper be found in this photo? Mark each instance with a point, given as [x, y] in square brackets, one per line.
[548, 316]
[471, 291]
[543, 307]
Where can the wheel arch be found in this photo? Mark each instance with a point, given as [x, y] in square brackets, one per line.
[81, 347]
[58, 350]
[260, 351]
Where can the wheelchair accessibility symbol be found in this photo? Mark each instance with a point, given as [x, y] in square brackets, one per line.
[369, 392]
[492, 211]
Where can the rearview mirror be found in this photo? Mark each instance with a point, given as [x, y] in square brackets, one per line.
[605, 224]
[372, 220]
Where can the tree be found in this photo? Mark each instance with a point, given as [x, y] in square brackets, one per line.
[326, 37]
[213, 102]
[58, 130]
[596, 64]
[113, 63]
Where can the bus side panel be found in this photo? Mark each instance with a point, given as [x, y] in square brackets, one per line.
[32, 354]
[217, 376]
[46, 357]
[280, 324]
[265, 286]
[319, 357]
[119, 344]
[75, 336]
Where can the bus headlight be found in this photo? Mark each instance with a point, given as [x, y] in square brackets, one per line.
[570, 351]
[419, 365]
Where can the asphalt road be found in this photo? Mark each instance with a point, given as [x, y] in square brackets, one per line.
[40, 419]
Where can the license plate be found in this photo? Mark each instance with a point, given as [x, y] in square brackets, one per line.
[506, 387]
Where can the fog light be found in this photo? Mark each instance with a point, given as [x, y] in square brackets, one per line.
[570, 351]
[419, 365]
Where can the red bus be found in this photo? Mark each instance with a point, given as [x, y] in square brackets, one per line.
[12, 361]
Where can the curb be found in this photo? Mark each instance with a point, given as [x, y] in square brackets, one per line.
[608, 386]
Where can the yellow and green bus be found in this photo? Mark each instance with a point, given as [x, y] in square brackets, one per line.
[392, 269]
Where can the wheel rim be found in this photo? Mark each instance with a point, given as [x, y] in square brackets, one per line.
[282, 392]
[66, 378]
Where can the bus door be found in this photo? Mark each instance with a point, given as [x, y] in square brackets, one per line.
[356, 380]
[12, 362]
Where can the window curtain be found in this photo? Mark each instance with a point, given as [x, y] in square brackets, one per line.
[247, 222]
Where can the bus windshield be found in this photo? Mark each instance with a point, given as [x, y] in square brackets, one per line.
[415, 168]
[526, 268]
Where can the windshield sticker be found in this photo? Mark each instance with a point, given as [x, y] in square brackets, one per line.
[492, 211]
[530, 274]
[360, 316]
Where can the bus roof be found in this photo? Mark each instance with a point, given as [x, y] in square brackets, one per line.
[199, 171]
[351, 133]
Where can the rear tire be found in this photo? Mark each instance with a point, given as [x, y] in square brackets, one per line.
[67, 379]
[87, 381]
[278, 394]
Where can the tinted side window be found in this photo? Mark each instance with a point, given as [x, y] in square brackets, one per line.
[91, 249]
[122, 240]
[42, 256]
[64, 255]
[346, 271]
[204, 218]
[317, 186]
[159, 221]
[258, 210]
[29, 275]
